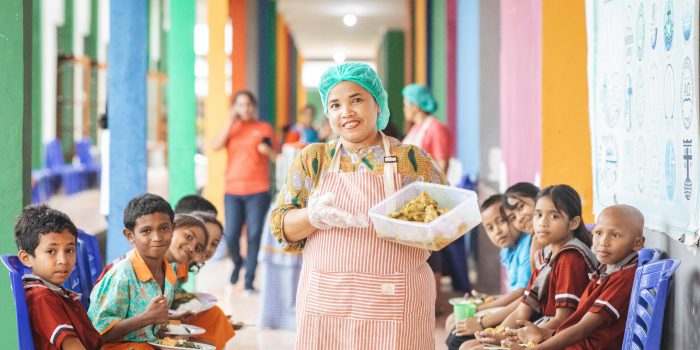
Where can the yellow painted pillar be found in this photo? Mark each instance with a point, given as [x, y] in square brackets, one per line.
[216, 103]
[566, 143]
[420, 42]
[282, 83]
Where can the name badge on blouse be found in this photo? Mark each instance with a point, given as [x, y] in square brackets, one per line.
[391, 159]
[388, 289]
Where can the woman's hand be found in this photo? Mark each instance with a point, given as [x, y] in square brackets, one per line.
[265, 150]
[324, 214]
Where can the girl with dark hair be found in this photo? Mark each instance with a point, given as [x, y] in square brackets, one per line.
[518, 205]
[561, 267]
[518, 208]
[250, 144]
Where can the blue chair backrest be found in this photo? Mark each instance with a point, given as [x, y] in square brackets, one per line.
[82, 148]
[93, 257]
[24, 328]
[647, 302]
[54, 155]
[647, 255]
[79, 280]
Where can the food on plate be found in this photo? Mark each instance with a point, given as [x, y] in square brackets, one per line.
[420, 209]
[194, 306]
[174, 322]
[167, 341]
[181, 298]
[497, 329]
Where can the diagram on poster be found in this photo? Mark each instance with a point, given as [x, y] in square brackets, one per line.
[643, 103]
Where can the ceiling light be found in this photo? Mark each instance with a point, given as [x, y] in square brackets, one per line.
[339, 56]
[350, 20]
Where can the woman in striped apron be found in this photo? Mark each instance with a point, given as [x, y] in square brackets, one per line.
[356, 291]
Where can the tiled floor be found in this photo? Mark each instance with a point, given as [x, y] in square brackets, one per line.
[214, 279]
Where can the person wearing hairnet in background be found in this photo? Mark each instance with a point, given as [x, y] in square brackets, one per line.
[429, 134]
[356, 291]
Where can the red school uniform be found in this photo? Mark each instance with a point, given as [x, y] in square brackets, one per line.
[567, 281]
[608, 295]
[56, 313]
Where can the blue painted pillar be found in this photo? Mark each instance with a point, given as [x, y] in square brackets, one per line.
[468, 141]
[126, 98]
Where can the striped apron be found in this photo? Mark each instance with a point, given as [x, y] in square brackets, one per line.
[357, 291]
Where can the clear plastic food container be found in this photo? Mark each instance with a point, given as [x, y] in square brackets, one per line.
[463, 216]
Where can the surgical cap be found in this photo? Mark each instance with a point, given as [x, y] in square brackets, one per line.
[363, 75]
[419, 95]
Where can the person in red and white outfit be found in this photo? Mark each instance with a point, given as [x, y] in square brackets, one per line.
[356, 291]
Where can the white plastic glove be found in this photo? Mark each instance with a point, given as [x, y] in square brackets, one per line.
[324, 214]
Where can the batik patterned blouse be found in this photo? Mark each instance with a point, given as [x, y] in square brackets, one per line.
[414, 164]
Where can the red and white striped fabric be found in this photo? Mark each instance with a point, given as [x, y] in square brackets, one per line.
[360, 292]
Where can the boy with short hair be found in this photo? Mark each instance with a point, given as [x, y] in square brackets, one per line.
[47, 243]
[600, 318]
[515, 257]
[131, 301]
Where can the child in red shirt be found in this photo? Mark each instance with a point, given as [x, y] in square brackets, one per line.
[561, 267]
[47, 242]
[599, 321]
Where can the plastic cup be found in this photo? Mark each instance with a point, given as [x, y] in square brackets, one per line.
[463, 311]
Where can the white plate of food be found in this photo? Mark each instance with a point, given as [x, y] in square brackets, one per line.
[183, 329]
[179, 344]
[192, 302]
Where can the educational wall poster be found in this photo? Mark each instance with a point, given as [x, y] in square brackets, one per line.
[643, 103]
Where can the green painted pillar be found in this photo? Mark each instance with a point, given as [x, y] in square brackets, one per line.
[438, 68]
[37, 149]
[393, 74]
[181, 99]
[15, 141]
[65, 81]
[91, 52]
[267, 66]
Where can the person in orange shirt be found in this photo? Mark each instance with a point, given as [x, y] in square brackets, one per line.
[250, 144]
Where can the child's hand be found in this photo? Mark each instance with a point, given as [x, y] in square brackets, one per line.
[531, 333]
[157, 310]
[491, 337]
[513, 344]
[467, 327]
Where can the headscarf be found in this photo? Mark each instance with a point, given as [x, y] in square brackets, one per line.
[363, 75]
[419, 95]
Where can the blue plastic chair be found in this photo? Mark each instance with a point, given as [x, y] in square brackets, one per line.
[647, 303]
[93, 257]
[73, 180]
[24, 328]
[645, 256]
[93, 169]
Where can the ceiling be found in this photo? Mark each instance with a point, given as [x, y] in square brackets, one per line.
[318, 30]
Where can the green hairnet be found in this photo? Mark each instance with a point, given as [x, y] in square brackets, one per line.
[363, 75]
[419, 95]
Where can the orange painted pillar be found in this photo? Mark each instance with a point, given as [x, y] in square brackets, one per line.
[216, 102]
[282, 82]
[420, 42]
[566, 144]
